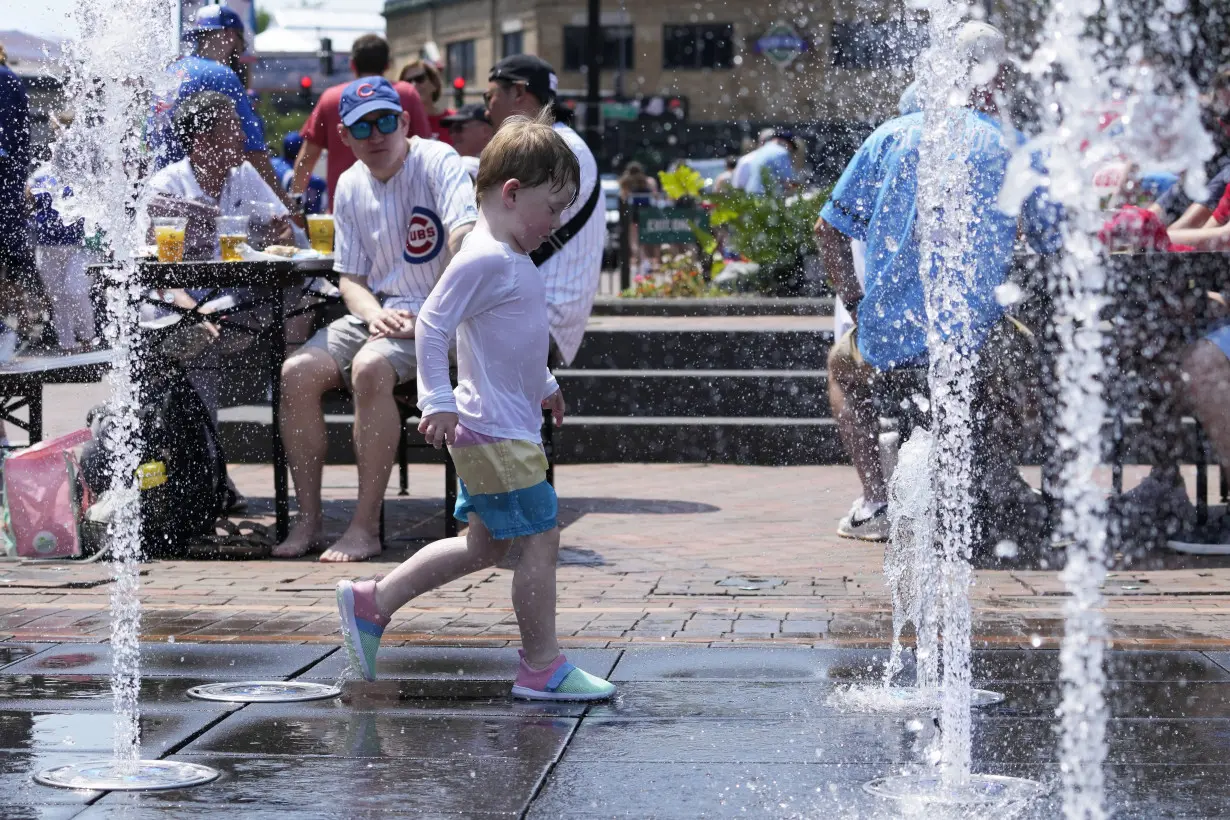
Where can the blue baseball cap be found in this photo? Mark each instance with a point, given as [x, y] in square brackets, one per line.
[291, 143]
[213, 18]
[365, 95]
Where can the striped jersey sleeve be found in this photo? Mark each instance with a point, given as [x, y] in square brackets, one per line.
[348, 255]
[450, 186]
[573, 273]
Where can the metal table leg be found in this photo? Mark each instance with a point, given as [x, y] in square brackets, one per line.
[34, 403]
[281, 486]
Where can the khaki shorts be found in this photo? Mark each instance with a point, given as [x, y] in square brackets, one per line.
[345, 337]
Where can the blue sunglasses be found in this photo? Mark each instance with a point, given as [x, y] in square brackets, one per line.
[362, 129]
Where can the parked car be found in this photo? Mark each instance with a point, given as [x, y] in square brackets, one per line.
[707, 168]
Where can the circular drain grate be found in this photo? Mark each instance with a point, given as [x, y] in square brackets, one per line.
[141, 775]
[1004, 793]
[264, 691]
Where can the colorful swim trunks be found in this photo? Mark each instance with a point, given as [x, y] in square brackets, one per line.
[504, 482]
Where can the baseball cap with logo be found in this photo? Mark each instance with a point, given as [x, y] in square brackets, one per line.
[213, 18]
[537, 75]
[365, 95]
[470, 112]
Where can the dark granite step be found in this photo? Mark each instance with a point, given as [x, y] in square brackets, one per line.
[796, 394]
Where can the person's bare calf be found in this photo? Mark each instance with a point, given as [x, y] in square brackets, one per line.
[437, 564]
[1207, 372]
[376, 434]
[534, 596]
[306, 377]
[850, 397]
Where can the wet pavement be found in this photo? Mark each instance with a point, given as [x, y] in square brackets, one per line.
[693, 732]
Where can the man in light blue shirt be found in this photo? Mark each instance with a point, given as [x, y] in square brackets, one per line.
[875, 202]
[769, 165]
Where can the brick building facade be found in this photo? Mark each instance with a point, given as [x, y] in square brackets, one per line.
[732, 61]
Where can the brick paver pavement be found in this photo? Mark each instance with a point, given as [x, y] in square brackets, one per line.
[654, 553]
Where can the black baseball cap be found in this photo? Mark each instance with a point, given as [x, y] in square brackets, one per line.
[537, 75]
[470, 112]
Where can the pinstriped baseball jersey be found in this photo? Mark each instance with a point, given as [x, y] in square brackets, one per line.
[572, 274]
[395, 233]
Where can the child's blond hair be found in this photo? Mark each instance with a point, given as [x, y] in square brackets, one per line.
[531, 152]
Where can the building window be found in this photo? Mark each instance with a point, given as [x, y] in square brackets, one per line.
[711, 46]
[617, 47]
[512, 43]
[459, 58]
[877, 45]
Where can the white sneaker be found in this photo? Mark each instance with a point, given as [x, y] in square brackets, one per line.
[865, 522]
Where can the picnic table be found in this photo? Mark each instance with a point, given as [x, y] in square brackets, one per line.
[264, 282]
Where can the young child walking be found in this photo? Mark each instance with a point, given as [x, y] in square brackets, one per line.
[492, 298]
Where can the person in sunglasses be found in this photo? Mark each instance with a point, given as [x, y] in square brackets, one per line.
[470, 130]
[400, 212]
[369, 57]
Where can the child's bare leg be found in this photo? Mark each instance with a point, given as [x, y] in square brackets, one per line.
[533, 597]
[438, 563]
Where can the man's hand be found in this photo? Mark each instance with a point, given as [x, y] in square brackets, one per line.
[440, 428]
[391, 323]
[276, 231]
[555, 403]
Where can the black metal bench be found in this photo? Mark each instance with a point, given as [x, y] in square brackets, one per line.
[22, 380]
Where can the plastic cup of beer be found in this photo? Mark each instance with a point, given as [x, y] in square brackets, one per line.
[232, 232]
[169, 237]
[320, 232]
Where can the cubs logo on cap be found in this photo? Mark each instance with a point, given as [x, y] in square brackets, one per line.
[365, 95]
[424, 236]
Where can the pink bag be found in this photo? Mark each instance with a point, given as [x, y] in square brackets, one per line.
[45, 497]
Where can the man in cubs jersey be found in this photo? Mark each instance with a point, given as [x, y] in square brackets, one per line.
[523, 84]
[399, 214]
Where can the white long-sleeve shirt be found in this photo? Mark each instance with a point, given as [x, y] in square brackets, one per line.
[494, 300]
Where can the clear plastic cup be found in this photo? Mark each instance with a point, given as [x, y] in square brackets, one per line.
[320, 232]
[169, 237]
[232, 232]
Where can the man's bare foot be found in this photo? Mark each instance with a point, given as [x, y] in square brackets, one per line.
[354, 545]
[304, 537]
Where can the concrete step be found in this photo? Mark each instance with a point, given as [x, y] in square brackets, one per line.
[245, 431]
[651, 439]
[705, 343]
[724, 306]
[713, 440]
[798, 394]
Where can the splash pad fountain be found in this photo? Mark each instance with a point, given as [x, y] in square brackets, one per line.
[944, 214]
[1161, 129]
[110, 88]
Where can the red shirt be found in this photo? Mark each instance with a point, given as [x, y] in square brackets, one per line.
[321, 127]
[440, 129]
[1222, 214]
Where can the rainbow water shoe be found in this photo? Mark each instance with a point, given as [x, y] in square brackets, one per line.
[559, 681]
[362, 624]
